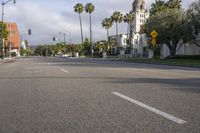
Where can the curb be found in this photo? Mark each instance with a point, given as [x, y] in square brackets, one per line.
[7, 61]
[161, 64]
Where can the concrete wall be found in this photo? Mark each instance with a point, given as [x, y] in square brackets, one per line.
[186, 49]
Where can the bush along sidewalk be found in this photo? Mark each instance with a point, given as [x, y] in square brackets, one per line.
[171, 61]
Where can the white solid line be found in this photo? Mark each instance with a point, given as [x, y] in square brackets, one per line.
[168, 116]
[63, 70]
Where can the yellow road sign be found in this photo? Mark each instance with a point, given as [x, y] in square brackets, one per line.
[154, 34]
[153, 41]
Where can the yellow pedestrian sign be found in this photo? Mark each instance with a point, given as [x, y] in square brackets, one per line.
[154, 34]
[153, 41]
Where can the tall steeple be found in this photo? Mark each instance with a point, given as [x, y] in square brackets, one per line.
[139, 5]
[140, 13]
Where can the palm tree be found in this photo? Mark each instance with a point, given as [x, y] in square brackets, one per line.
[158, 6]
[107, 24]
[128, 18]
[117, 17]
[79, 8]
[89, 8]
[175, 4]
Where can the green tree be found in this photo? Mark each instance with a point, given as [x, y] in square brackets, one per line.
[173, 28]
[77, 48]
[193, 15]
[102, 46]
[161, 5]
[5, 35]
[79, 8]
[39, 50]
[89, 8]
[86, 47]
[117, 17]
[174, 4]
[158, 6]
[5, 32]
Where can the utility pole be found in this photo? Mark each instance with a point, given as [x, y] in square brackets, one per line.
[10, 47]
[2, 37]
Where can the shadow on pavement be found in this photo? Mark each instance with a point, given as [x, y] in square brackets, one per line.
[192, 84]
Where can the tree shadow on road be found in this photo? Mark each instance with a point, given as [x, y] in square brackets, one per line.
[187, 84]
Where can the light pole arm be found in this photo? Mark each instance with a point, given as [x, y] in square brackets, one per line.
[4, 3]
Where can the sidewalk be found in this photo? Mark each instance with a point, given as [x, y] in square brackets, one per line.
[7, 60]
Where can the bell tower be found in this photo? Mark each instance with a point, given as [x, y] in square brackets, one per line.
[139, 5]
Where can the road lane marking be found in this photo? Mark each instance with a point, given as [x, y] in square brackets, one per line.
[63, 70]
[168, 116]
[49, 63]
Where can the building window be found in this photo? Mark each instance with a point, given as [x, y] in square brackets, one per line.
[124, 40]
[145, 49]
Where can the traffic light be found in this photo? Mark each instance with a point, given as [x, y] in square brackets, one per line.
[29, 32]
[54, 39]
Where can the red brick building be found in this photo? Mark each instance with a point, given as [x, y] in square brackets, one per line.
[13, 37]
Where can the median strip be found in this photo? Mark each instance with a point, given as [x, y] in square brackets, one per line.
[161, 113]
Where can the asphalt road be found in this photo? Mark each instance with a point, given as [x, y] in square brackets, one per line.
[57, 95]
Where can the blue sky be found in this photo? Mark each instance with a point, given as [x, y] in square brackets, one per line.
[47, 18]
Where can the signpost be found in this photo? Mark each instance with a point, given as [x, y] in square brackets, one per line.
[153, 34]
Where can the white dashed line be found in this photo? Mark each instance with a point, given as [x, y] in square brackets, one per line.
[168, 116]
[63, 70]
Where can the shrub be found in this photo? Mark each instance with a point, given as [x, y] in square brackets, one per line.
[13, 54]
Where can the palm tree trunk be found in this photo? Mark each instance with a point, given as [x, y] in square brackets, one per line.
[108, 35]
[128, 26]
[130, 39]
[108, 41]
[81, 27]
[92, 51]
[117, 32]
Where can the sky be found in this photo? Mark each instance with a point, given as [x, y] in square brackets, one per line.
[46, 18]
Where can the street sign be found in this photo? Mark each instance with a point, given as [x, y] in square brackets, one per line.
[153, 41]
[154, 34]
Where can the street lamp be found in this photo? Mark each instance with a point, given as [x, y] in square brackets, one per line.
[64, 34]
[2, 38]
[70, 34]
[137, 42]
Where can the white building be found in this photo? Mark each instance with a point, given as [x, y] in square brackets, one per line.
[139, 41]
[121, 42]
[141, 14]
